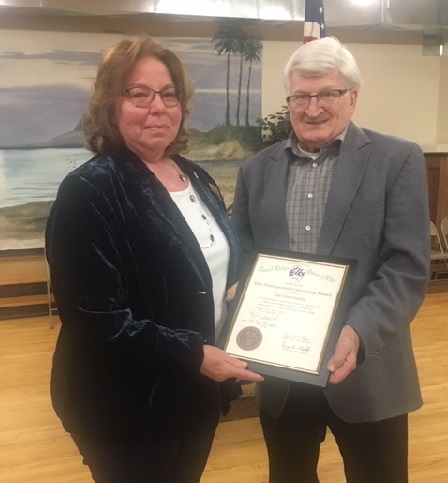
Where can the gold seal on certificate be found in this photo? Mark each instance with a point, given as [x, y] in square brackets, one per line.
[249, 338]
[289, 314]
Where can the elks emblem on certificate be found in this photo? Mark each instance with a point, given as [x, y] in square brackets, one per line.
[289, 314]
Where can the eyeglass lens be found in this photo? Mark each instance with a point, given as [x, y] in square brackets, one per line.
[143, 96]
[325, 98]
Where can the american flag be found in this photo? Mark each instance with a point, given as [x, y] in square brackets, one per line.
[314, 26]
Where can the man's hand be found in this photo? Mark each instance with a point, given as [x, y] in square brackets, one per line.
[343, 361]
[219, 366]
[231, 292]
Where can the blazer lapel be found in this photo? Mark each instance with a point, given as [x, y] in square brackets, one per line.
[155, 207]
[347, 176]
[276, 182]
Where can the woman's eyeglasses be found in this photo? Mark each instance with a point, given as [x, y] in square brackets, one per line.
[143, 96]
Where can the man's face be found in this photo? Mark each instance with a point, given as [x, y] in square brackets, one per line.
[316, 123]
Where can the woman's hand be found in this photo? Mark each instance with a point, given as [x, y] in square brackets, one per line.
[219, 366]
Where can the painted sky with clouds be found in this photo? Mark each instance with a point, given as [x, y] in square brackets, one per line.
[46, 80]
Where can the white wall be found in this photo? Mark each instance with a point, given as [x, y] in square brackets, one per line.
[400, 93]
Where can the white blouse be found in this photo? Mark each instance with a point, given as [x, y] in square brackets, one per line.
[213, 243]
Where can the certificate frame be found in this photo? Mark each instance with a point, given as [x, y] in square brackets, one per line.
[252, 325]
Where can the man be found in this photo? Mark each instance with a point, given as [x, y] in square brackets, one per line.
[337, 190]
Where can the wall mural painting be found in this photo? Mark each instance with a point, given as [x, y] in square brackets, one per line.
[46, 82]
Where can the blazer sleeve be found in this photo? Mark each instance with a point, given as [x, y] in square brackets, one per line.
[86, 241]
[240, 217]
[394, 277]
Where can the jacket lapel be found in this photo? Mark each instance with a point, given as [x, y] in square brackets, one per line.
[276, 183]
[155, 207]
[347, 176]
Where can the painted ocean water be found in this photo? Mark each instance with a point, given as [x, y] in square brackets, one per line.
[33, 175]
[29, 179]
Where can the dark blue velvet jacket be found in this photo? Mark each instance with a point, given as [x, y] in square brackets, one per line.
[134, 294]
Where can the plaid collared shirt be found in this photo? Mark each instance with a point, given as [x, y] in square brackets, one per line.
[309, 182]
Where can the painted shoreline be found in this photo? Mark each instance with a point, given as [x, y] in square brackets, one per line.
[23, 225]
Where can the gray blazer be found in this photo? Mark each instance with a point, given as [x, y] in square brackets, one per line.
[377, 212]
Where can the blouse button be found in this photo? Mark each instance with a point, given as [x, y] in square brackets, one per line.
[192, 198]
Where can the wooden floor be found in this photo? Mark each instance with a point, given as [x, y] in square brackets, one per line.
[35, 449]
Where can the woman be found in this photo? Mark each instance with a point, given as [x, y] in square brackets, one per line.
[141, 255]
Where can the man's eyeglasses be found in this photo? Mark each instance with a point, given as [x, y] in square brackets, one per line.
[324, 99]
[143, 96]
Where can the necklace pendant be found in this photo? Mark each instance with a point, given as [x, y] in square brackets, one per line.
[182, 177]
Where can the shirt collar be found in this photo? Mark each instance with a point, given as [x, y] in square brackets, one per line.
[294, 151]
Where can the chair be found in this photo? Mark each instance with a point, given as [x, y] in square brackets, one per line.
[52, 309]
[444, 232]
[439, 257]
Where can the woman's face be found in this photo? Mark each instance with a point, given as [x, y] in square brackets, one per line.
[147, 131]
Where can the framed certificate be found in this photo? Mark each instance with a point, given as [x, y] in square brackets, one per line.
[289, 314]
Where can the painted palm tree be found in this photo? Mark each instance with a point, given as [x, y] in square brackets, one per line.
[241, 48]
[252, 53]
[226, 41]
